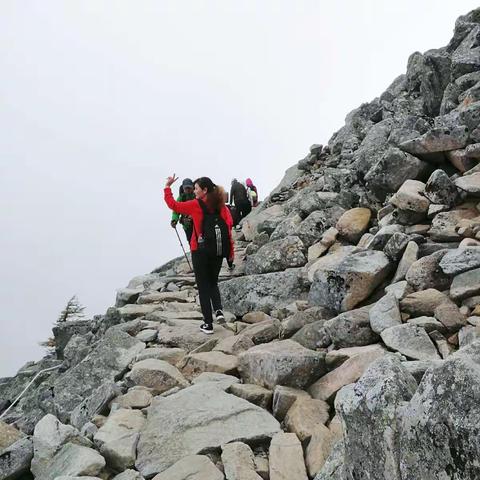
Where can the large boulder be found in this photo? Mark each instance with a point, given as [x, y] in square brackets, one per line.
[194, 467]
[15, 459]
[348, 372]
[411, 341]
[351, 329]
[117, 438]
[343, 286]
[110, 358]
[74, 460]
[281, 363]
[460, 260]
[440, 424]
[262, 292]
[199, 418]
[373, 405]
[353, 224]
[278, 255]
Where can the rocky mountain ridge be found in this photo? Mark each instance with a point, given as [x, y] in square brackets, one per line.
[351, 345]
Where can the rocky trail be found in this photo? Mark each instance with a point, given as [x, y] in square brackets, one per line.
[351, 345]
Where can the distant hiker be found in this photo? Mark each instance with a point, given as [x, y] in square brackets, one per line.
[239, 198]
[211, 242]
[252, 192]
[185, 194]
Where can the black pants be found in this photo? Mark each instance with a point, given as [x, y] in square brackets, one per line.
[206, 270]
[188, 231]
[243, 210]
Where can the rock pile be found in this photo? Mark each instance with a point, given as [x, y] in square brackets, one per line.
[350, 349]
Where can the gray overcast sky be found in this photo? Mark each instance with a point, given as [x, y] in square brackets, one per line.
[101, 100]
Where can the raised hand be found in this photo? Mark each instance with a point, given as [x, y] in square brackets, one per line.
[171, 180]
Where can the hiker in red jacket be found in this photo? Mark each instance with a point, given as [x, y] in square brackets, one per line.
[210, 243]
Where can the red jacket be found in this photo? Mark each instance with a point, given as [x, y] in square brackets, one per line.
[192, 208]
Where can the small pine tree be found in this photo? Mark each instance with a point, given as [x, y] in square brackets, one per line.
[72, 311]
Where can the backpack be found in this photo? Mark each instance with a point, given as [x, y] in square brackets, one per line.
[215, 240]
[252, 196]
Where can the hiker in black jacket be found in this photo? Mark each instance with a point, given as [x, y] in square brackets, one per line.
[239, 198]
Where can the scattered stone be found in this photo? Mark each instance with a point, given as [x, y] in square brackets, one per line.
[177, 426]
[238, 462]
[444, 224]
[15, 459]
[134, 398]
[429, 324]
[411, 341]
[284, 398]
[426, 273]
[410, 197]
[460, 260]
[450, 316]
[410, 256]
[469, 184]
[118, 438]
[109, 358]
[263, 332]
[170, 355]
[348, 372]
[281, 363]
[374, 404]
[254, 394]
[158, 375]
[147, 335]
[423, 302]
[194, 467]
[385, 313]
[465, 285]
[318, 449]
[351, 329]
[447, 395]
[353, 224]
[96, 403]
[221, 380]
[396, 245]
[260, 292]
[8, 435]
[215, 361]
[256, 317]
[286, 458]
[441, 343]
[74, 460]
[304, 415]
[440, 189]
[351, 281]
[234, 345]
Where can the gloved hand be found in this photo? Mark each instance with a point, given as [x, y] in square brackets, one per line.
[173, 223]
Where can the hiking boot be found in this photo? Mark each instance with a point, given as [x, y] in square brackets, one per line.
[206, 328]
[220, 317]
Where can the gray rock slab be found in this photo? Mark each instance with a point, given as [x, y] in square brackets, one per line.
[281, 363]
[239, 462]
[385, 313]
[411, 341]
[351, 329]
[262, 292]
[374, 404]
[286, 458]
[96, 403]
[192, 467]
[465, 285]
[440, 424]
[74, 460]
[108, 360]
[15, 459]
[460, 260]
[345, 285]
[197, 419]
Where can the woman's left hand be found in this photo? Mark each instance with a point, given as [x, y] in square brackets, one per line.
[171, 180]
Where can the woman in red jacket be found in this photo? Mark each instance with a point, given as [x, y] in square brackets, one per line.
[206, 266]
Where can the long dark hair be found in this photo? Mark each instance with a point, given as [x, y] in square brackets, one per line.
[215, 193]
